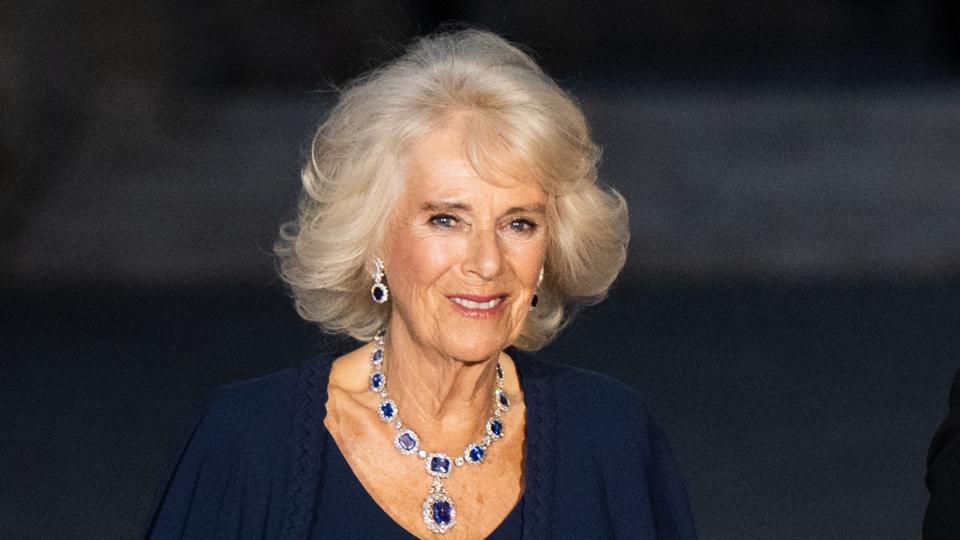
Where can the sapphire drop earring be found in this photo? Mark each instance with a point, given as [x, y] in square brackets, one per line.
[379, 292]
[536, 296]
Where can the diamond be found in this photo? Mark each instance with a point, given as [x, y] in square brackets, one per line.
[421, 454]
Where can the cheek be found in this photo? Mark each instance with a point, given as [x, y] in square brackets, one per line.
[527, 261]
[421, 260]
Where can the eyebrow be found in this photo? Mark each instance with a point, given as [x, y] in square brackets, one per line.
[440, 206]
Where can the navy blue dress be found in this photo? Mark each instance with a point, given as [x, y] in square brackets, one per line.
[258, 463]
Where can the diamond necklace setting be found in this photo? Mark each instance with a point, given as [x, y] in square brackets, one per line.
[439, 510]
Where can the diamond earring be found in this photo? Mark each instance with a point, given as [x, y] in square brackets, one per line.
[379, 292]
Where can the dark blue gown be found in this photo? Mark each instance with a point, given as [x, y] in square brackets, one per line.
[258, 463]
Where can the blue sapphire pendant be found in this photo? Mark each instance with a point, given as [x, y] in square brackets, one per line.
[439, 512]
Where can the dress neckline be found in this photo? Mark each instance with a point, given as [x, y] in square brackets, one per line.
[355, 482]
[368, 500]
[306, 476]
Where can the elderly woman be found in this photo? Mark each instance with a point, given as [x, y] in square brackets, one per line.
[452, 222]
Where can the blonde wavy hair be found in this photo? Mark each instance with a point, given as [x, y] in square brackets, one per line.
[513, 115]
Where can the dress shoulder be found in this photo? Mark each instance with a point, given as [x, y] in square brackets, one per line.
[231, 462]
[254, 400]
[606, 461]
[588, 398]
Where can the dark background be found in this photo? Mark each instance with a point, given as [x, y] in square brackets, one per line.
[789, 306]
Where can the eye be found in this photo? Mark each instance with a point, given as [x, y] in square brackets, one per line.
[443, 221]
[522, 225]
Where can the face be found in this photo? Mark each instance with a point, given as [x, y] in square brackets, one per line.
[462, 253]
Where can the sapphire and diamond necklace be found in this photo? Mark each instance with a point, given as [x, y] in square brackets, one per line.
[439, 511]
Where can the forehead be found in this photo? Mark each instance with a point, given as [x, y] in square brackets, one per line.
[437, 167]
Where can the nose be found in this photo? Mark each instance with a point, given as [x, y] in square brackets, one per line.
[484, 258]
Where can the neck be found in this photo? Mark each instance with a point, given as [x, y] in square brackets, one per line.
[444, 399]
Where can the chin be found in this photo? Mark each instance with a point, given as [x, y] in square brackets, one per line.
[475, 335]
[472, 347]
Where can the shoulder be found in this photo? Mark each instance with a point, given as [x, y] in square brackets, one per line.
[262, 406]
[252, 423]
[590, 401]
[238, 427]
[607, 455]
[234, 458]
[241, 406]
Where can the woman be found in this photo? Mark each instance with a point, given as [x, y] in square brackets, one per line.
[450, 219]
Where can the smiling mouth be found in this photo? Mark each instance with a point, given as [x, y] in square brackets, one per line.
[472, 304]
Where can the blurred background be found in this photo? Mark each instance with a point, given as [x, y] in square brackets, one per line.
[789, 306]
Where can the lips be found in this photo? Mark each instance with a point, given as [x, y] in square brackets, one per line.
[470, 304]
[479, 304]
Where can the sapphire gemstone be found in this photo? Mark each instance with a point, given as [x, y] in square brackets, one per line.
[499, 371]
[378, 293]
[376, 381]
[504, 402]
[496, 428]
[377, 356]
[386, 410]
[476, 454]
[442, 512]
[440, 465]
[407, 442]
